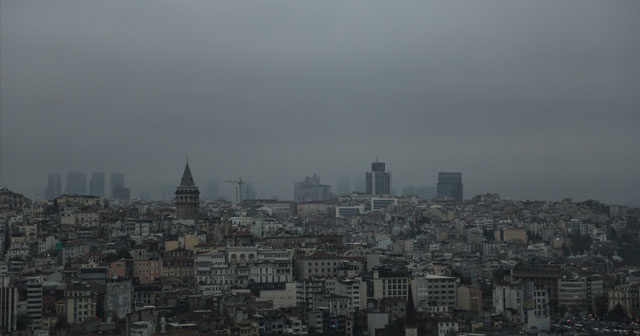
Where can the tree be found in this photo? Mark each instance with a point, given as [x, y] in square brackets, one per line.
[61, 323]
[22, 322]
[601, 303]
[580, 244]
[617, 314]
[395, 328]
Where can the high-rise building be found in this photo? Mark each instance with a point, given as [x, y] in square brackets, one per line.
[121, 193]
[116, 179]
[76, 183]
[118, 189]
[34, 301]
[450, 186]
[54, 186]
[378, 180]
[249, 191]
[187, 197]
[8, 306]
[311, 190]
[96, 184]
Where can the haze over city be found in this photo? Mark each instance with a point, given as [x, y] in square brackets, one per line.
[532, 100]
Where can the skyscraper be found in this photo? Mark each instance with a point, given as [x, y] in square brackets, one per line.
[118, 190]
[187, 197]
[249, 191]
[378, 180]
[76, 183]
[117, 179]
[54, 186]
[96, 184]
[450, 186]
[311, 190]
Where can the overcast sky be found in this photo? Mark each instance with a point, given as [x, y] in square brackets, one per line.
[530, 99]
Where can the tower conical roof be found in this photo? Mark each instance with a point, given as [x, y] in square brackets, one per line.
[411, 316]
[187, 179]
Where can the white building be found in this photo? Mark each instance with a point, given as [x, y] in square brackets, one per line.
[281, 298]
[355, 290]
[531, 303]
[240, 266]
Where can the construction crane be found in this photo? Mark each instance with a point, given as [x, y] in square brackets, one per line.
[239, 182]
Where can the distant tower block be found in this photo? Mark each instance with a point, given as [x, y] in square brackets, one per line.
[378, 180]
[450, 186]
[187, 197]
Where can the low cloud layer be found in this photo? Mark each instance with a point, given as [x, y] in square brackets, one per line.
[534, 100]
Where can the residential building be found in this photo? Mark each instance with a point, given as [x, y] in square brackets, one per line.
[118, 299]
[435, 291]
[317, 265]
[80, 303]
[387, 282]
[544, 278]
[572, 293]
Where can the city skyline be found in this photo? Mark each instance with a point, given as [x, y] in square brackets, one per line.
[526, 107]
[229, 191]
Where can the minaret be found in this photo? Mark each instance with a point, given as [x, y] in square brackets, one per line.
[187, 197]
[411, 319]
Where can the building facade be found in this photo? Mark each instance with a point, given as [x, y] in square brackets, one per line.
[450, 186]
[96, 184]
[435, 291]
[378, 181]
[311, 190]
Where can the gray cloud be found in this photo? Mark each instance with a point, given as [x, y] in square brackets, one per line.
[535, 99]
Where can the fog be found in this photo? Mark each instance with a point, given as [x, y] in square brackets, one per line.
[529, 99]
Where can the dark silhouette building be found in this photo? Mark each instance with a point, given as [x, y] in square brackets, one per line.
[96, 184]
[450, 186]
[311, 190]
[378, 180]
[411, 317]
[76, 183]
[118, 189]
[54, 186]
[187, 197]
